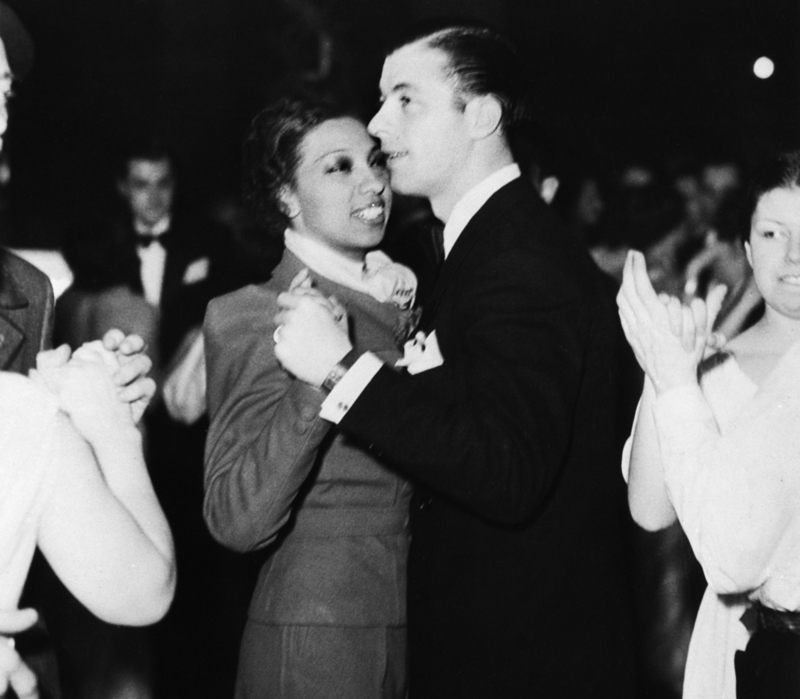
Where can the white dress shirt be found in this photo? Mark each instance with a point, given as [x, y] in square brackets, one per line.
[153, 260]
[347, 391]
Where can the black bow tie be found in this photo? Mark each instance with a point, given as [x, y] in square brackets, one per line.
[143, 240]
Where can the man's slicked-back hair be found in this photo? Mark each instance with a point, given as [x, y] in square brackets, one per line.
[481, 61]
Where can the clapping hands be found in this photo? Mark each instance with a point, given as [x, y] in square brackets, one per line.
[669, 339]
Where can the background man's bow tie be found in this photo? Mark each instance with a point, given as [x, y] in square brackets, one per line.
[144, 239]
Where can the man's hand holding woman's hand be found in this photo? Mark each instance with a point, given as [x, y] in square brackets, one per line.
[311, 334]
[669, 339]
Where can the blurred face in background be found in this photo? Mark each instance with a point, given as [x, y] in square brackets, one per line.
[149, 189]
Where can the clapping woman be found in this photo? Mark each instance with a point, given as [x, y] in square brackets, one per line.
[328, 615]
[722, 453]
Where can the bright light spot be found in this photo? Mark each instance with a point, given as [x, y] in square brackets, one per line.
[763, 68]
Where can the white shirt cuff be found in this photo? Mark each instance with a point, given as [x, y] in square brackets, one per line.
[345, 393]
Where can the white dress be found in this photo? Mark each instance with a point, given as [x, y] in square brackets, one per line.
[731, 457]
[28, 445]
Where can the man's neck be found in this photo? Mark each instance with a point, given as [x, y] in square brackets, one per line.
[478, 170]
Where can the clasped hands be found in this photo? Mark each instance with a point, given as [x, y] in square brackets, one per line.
[105, 378]
[311, 336]
[668, 338]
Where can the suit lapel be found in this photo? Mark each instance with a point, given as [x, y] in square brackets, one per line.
[479, 225]
[11, 337]
[290, 265]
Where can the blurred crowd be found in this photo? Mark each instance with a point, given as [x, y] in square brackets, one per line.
[148, 261]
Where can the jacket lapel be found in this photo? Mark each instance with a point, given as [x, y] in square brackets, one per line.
[11, 337]
[290, 265]
[479, 225]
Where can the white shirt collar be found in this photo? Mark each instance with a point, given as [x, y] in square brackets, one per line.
[159, 228]
[473, 200]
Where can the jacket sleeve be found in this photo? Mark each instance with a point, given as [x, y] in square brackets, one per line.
[490, 429]
[264, 429]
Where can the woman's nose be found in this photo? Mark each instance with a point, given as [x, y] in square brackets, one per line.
[374, 181]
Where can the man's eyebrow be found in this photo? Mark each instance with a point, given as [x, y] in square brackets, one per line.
[399, 87]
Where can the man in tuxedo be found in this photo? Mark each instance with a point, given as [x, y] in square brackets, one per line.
[516, 583]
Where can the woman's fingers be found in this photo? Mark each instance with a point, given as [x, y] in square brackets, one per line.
[675, 316]
[689, 329]
[714, 303]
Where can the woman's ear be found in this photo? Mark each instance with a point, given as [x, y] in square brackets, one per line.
[291, 206]
[484, 114]
[748, 251]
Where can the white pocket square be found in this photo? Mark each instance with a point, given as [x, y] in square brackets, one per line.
[197, 271]
[421, 353]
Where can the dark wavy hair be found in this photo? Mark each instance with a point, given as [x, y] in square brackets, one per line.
[779, 172]
[481, 61]
[271, 154]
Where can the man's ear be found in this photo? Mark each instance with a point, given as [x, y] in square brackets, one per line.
[291, 206]
[483, 114]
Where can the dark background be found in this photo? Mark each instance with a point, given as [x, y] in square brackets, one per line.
[616, 80]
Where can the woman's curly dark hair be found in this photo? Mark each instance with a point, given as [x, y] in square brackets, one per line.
[271, 154]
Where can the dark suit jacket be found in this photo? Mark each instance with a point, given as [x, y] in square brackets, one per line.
[515, 577]
[26, 313]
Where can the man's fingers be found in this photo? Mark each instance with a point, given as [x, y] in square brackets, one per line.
[117, 341]
[287, 300]
[301, 279]
[137, 366]
[15, 673]
[113, 339]
[142, 390]
[16, 620]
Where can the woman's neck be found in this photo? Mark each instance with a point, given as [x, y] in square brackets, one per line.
[777, 331]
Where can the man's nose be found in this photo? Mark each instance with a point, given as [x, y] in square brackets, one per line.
[377, 124]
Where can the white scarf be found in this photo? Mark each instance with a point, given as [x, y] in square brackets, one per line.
[376, 276]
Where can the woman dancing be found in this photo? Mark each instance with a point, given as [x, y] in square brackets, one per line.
[328, 614]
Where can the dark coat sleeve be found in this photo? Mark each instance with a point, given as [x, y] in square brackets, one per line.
[491, 428]
[264, 427]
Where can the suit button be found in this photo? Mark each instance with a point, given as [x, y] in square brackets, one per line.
[425, 504]
[308, 413]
